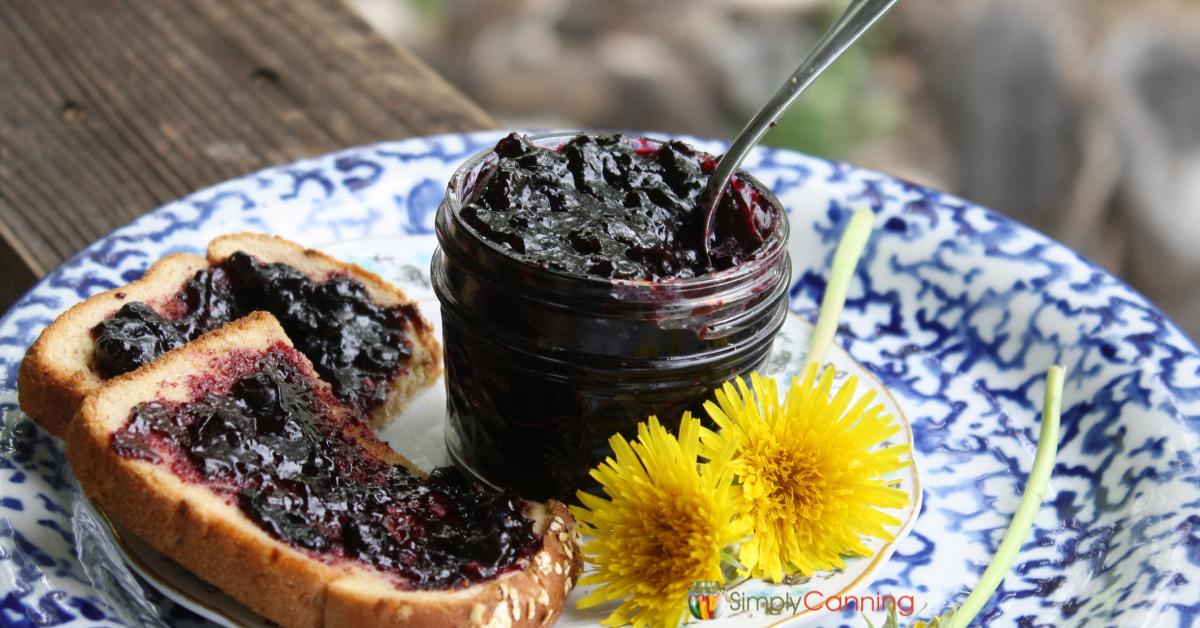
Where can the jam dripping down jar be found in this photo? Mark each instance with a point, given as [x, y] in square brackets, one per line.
[543, 366]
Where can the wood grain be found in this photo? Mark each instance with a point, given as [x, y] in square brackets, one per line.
[112, 108]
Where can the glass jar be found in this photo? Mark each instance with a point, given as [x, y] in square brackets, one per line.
[543, 366]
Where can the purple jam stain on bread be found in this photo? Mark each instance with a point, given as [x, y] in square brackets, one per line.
[356, 345]
[307, 474]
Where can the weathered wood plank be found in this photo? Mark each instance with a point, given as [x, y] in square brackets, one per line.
[111, 108]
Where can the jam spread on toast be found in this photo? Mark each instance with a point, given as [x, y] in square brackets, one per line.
[310, 473]
[357, 345]
[598, 206]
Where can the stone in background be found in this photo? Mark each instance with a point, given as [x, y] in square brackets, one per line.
[1152, 71]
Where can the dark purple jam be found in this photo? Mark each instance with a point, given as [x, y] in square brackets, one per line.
[601, 207]
[356, 345]
[313, 477]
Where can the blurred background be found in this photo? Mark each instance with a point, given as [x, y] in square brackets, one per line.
[1080, 118]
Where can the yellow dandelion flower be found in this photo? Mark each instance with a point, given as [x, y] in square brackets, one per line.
[667, 519]
[811, 474]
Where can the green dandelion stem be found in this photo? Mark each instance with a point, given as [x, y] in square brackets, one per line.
[849, 250]
[1031, 501]
[729, 557]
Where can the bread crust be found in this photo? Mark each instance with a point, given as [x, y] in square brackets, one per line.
[423, 368]
[57, 371]
[212, 538]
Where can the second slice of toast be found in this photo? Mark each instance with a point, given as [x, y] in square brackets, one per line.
[60, 369]
[422, 369]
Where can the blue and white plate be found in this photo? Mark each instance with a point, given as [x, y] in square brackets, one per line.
[956, 310]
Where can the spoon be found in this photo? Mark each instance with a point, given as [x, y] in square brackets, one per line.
[855, 21]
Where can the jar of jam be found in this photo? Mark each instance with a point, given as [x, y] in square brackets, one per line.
[577, 301]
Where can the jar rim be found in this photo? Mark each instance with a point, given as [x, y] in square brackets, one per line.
[772, 247]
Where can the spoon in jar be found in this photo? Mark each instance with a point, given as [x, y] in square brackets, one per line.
[855, 21]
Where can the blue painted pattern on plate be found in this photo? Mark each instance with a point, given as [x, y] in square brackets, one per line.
[957, 310]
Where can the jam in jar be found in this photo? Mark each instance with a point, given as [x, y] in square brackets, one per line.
[577, 299]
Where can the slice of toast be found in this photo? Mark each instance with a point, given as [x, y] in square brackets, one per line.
[423, 368]
[58, 371]
[208, 534]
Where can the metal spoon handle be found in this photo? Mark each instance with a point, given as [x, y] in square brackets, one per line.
[855, 21]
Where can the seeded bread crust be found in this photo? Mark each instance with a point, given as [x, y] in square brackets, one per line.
[423, 368]
[212, 538]
[58, 371]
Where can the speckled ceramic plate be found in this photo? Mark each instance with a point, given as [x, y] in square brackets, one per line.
[957, 311]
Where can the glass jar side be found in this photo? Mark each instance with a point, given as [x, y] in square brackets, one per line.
[543, 368]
